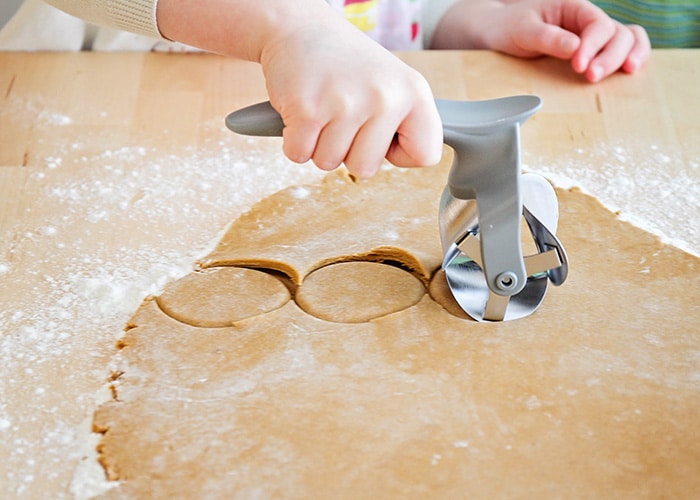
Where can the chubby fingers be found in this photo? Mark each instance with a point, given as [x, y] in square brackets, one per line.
[299, 138]
[595, 36]
[534, 37]
[640, 52]
[604, 52]
[407, 134]
[414, 140]
[360, 146]
[370, 146]
[418, 140]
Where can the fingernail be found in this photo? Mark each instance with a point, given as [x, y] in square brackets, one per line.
[596, 73]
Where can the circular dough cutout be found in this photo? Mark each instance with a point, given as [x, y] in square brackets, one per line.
[356, 292]
[221, 296]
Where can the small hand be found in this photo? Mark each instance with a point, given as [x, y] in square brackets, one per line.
[574, 30]
[342, 97]
[579, 31]
[345, 99]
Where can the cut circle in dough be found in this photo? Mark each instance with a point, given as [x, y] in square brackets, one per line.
[356, 292]
[221, 296]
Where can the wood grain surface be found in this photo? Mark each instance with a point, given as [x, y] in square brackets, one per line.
[117, 173]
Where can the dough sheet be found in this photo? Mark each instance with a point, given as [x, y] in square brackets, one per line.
[316, 353]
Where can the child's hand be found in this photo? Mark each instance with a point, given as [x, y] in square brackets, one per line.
[574, 30]
[345, 99]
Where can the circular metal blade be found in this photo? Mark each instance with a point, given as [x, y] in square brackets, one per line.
[457, 218]
[466, 278]
[540, 198]
[468, 285]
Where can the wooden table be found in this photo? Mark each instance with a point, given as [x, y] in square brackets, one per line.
[116, 173]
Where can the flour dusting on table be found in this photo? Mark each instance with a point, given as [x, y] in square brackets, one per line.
[649, 185]
[74, 293]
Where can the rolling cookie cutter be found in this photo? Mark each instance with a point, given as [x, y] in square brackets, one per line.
[482, 207]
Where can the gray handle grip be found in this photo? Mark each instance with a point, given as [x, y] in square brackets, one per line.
[259, 119]
[459, 117]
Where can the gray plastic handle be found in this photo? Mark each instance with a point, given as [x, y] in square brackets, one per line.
[259, 119]
[459, 116]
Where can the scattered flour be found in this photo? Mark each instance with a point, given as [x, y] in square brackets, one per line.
[74, 289]
[55, 118]
[650, 186]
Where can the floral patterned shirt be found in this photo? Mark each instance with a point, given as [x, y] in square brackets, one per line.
[395, 24]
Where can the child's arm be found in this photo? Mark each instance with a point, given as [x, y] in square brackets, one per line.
[574, 30]
[343, 97]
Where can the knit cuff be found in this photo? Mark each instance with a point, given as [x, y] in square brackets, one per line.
[136, 16]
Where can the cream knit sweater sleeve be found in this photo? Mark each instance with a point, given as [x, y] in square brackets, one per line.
[136, 16]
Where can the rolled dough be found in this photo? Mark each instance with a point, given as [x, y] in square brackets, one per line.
[597, 393]
[207, 299]
[356, 292]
